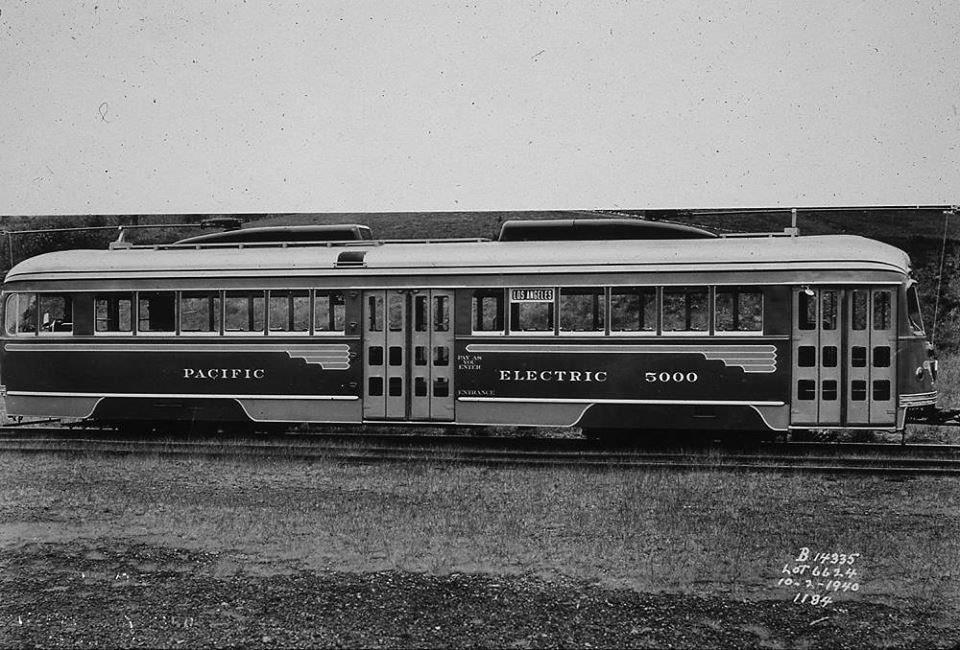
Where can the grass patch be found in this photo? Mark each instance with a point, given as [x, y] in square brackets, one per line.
[687, 532]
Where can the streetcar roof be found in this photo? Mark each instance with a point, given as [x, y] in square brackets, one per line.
[822, 253]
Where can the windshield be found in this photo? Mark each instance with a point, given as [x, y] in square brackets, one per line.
[913, 309]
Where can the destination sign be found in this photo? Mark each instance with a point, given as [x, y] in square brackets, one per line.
[531, 295]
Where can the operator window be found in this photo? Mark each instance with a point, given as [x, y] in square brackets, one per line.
[200, 312]
[156, 311]
[21, 314]
[633, 309]
[487, 310]
[685, 309]
[113, 312]
[532, 310]
[582, 310]
[329, 311]
[56, 313]
[243, 312]
[290, 311]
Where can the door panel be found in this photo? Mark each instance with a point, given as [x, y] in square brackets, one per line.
[883, 357]
[412, 357]
[844, 356]
[829, 356]
[374, 355]
[858, 356]
[396, 354]
[804, 407]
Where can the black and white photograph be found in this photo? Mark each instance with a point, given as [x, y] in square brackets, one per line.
[498, 324]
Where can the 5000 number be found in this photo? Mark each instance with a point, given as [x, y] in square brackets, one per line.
[671, 377]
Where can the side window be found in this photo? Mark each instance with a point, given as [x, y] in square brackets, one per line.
[633, 309]
[329, 311]
[487, 310]
[582, 310]
[531, 310]
[685, 309]
[113, 312]
[156, 311]
[243, 311]
[738, 310]
[290, 311]
[200, 312]
[21, 314]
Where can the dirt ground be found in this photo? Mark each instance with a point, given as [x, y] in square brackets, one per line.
[159, 553]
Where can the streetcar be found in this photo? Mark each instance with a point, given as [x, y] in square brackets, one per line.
[612, 326]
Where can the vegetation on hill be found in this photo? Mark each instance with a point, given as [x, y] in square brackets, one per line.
[926, 234]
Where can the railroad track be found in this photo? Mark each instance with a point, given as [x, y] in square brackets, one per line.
[823, 458]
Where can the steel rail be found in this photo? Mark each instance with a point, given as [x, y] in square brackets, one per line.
[463, 441]
[712, 461]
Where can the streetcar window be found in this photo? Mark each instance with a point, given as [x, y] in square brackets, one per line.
[858, 319]
[881, 356]
[375, 313]
[829, 390]
[858, 390]
[114, 312]
[881, 390]
[420, 313]
[10, 315]
[290, 311]
[829, 303]
[807, 311]
[487, 310]
[913, 309]
[56, 313]
[531, 317]
[858, 356]
[156, 311]
[243, 311]
[685, 309]
[21, 314]
[582, 310]
[881, 310]
[200, 311]
[329, 312]
[633, 309]
[395, 311]
[738, 310]
[441, 313]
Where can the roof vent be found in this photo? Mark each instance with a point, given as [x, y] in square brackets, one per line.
[350, 259]
[597, 229]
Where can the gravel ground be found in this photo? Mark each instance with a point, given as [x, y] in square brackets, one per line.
[115, 594]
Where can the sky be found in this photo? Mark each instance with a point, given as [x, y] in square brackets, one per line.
[124, 106]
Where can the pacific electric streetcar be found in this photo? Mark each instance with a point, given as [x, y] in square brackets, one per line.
[605, 325]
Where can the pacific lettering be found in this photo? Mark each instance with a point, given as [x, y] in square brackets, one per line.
[224, 373]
